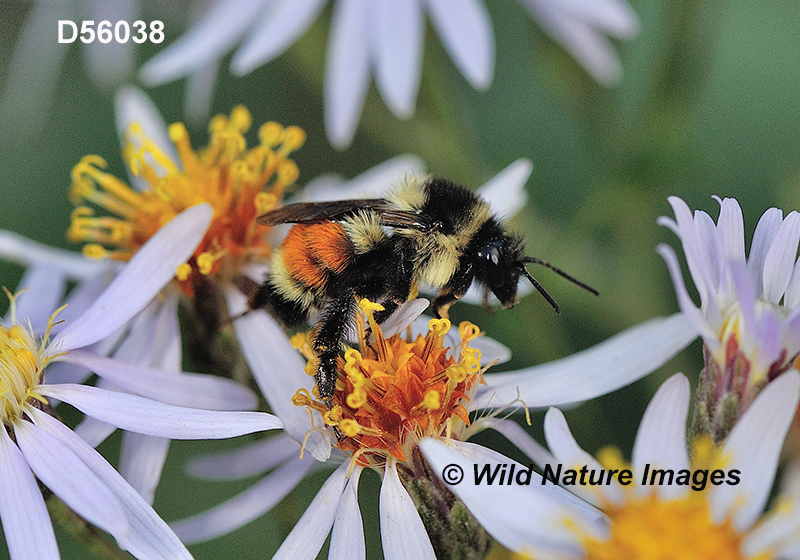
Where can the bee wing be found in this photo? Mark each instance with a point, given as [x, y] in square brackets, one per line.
[334, 211]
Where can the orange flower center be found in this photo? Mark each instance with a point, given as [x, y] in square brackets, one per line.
[393, 392]
[239, 183]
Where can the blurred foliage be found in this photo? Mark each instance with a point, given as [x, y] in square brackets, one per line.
[708, 105]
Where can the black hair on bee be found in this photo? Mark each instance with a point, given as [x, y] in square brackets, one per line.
[427, 231]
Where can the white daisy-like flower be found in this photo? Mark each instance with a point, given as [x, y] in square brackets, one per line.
[62, 461]
[749, 316]
[385, 39]
[711, 509]
[374, 437]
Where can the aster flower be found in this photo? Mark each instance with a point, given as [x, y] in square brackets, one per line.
[35, 443]
[385, 38]
[381, 411]
[707, 520]
[748, 316]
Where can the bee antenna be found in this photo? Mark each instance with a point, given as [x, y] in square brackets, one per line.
[542, 291]
[560, 272]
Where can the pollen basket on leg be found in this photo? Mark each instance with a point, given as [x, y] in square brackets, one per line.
[113, 219]
[392, 392]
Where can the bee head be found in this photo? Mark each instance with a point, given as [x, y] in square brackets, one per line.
[498, 267]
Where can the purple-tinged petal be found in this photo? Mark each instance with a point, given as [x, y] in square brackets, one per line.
[26, 523]
[347, 539]
[615, 17]
[134, 106]
[692, 313]
[402, 533]
[279, 372]
[70, 479]
[149, 270]
[195, 390]
[465, 28]
[44, 287]
[310, 532]
[24, 251]
[138, 414]
[141, 460]
[207, 41]
[753, 448]
[149, 536]
[730, 226]
[251, 459]
[792, 297]
[247, 506]
[710, 248]
[766, 230]
[93, 431]
[372, 183]
[346, 70]
[780, 258]
[278, 27]
[746, 295]
[614, 363]
[661, 438]
[404, 316]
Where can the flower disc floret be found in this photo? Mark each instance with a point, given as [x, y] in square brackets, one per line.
[238, 182]
[393, 392]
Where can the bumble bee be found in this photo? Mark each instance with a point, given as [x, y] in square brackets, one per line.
[428, 231]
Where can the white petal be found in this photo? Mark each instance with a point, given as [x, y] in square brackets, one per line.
[569, 454]
[194, 390]
[746, 294]
[70, 479]
[149, 270]
[615, 17]
[141, 460]
[693, 250]
[198, 94]
[397, 33]
[279, 27]
[614, 363]
[372, 183]
[312, 529]
[346, 70]
[44, 287]
[93, 431]
[19, 249]
[249, 460]
[514, 433]
[206, 42]
[505, 192]
[82, 297]
[731, 228]
[465, 29]
[138, 414]
[26, 524]
[766, 229]
[661, 438]
[245, 507]
[111, 63]
[792, 297]
[693, 315]
[754, 446]
[149, 536]
[402, 533]
[280, 372]
[589, 47]
[491, 350]
[403, 317]
[347, 540]
[548, 509]
[33, 71]
[779, 262]
[133, 106]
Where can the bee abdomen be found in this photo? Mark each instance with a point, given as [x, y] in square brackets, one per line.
[312, 252]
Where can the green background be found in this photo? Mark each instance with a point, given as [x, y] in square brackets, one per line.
[708, 105]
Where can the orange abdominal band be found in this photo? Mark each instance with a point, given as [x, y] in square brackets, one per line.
[314, 251]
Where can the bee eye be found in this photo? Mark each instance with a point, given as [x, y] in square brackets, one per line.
[494, 255]
[497, 276]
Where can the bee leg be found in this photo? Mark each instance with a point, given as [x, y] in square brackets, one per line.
[330, 333]
[389, 307]
[289, 313]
